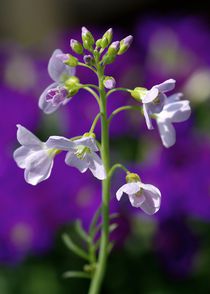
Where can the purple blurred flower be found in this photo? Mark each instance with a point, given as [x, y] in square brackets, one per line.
[176, 246]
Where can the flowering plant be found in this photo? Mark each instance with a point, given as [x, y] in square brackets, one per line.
[37, 157]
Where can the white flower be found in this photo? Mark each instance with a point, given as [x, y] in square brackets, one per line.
[144, 196]
[154, 100]
[173, 111]
[56, 94]
[83, 156]
[37, 157]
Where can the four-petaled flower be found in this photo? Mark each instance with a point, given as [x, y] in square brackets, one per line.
[56, 94]
[83, 156]
[144, 196]
[154, 100]
[174, 111]
[35, 156]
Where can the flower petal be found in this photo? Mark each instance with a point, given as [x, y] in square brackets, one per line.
[28, 139]
[57, 69]
[136, 200]
[129, 188]
[72, 160]
[166, 86]
[96, 166]
[60, 143]
[179, 111]
[88, 142]
[174, 98]
[147, 118]
[152, 199]
[151, 95]
[45, 105]
[38, 167]
[21, 155]
[167, 133]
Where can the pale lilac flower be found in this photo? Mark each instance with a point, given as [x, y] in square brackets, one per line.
[56, 94]
[83, 156]
[144, 196]
[35, 156]
[173, 111]
[154, 100]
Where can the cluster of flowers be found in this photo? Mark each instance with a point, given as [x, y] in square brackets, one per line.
[37, 157]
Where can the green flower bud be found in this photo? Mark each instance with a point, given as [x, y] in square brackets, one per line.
[104, 42]
[87, 38]
[72, 84]
[71, 61]
[138, 93]
[92, 135]
[76, 46]
[108, 59]
[98, 43]
[132, 177]
[111, 54]
[125, 44]
[114, 48]
[108, 35]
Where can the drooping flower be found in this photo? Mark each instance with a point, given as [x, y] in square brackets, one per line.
[173, 111]
[155, 99]
[83, 156]
[144, 196]
[37, 157]
[56, 94]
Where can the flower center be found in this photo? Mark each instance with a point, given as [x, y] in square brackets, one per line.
[156, 100]
[82, 151]
[52, 152]
[56, 95]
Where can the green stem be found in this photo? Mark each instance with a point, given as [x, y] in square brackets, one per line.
[91, 91]
[114, 167]
[127, 107]
[95, 122]
[118, 89]
[102, 259]
[87, 66]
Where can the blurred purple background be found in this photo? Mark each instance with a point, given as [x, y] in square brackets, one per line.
[168, 43]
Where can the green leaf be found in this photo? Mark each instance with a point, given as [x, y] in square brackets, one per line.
[94, 222]
[74, 248]
[81, 232]
[76, 274]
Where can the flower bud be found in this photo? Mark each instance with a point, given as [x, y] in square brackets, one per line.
[125, 44]
[111, 54]
[114, 48]
[71, 61]
[87, 38]
[108, 35]
[98, 43]
[72, 85]
[88, 59]
[76, 46]
[132, 177]
[106, 39]
[138, 93]
[109, 82]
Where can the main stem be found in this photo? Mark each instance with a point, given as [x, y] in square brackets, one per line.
[102, 259]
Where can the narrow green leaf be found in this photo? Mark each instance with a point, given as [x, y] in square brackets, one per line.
[94, 222]
[76, 274]
[74, 248]
[81, 232]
